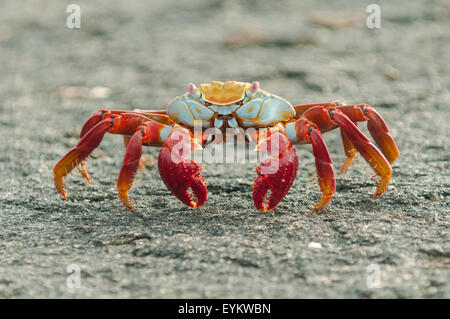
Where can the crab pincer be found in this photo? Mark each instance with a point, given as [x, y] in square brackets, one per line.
[181, 174]
[276, 174]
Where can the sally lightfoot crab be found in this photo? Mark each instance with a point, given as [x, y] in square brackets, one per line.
[236, 105]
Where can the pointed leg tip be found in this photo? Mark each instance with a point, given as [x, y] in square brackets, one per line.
[142, 166]
[60, 187]
[123, 196]
[317, 209]
[62, 193]
[129, 206]
[382, 186]
[84, 173]
[377, 194]
[345, 165]
[321, 204]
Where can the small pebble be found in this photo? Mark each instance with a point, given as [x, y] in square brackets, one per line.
[314, 245]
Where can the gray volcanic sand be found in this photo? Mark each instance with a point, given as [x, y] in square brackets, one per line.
[144, 53]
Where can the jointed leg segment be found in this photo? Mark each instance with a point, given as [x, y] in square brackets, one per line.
[350, 153]
[343, 117]
[151, 133]
[114, 122]
[303, 131]
[378, 128]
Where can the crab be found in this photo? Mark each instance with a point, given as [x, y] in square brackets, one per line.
[277, 124]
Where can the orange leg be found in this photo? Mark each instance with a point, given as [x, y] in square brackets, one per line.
[302, 108]
[328, 117]
[350, 153]
[115, 122]
[303, 131]
[376, 125]
[91, 122]
[126, 141]
[151, 133]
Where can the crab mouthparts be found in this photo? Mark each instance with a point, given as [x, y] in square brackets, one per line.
[228, 119]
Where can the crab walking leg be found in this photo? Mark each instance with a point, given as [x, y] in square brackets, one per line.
[302, 108]
[97, 117]
[302, 132]
[350, 153]
[371, 154]
[151, 133]
[126, 141]
[377, 127]
[157, 115]
[129, 167]
[79, 153]
[276, 174]
[90, 123]
[180, 173]
[125, 123]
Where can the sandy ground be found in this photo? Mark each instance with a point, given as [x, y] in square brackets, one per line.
[142, 53]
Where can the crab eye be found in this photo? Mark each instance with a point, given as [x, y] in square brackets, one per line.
[254, 87]
[193, 90]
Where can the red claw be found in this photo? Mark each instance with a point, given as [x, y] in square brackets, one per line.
[276, 174]
[179, 173]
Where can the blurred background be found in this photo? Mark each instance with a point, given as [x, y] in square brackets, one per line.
[140, 54]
